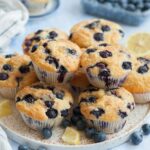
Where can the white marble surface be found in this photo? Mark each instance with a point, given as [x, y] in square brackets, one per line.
[69, 13]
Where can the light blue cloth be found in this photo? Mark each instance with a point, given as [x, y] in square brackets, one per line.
[69, 13]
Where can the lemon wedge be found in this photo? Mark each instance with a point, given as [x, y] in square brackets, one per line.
[71, 136]
[139, 44]
[5, 108]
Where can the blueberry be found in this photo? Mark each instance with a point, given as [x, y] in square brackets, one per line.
[127, 65]
[81, 125]
[47, 133]
[104, 44]
[28, 98]
[52, 60]
[91, 99]
[105, 54]
[60, 95]
[52, 113]
[71, 51]
[23, 147]
[146, 6]
[36, 38]
[75, 119]
[136, 138]
[24, 69]
[131, 7]
[89, 132]
[65, 123]
[53, 35]
[9, 55]
[42, 148]
[7, 67]
[76, 111]
[121, 32]
[18, 99]
[93, 25]
[105, 28]
[45, 45]
[90, 50]
[34, 48]
[47, 51]
[99, 136]
[122, 114]
[99, 36]
[49, 104]
[38, 31]
[146, 129]
[62, 69]
[64, 113]
[4, 76]
[143, 69]
[104, 73]
[97, 112]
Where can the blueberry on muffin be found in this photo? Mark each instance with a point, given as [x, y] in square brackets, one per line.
[43, 105]
[106, 109]
[94, 32]
[106, 66]
[16, 72]
[138, 80]
[45, 34]
[57, 61]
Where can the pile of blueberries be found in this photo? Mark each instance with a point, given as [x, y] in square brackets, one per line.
[91, 133]
[129, 5]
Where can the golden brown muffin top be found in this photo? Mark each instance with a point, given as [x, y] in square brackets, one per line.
[43, 102]
[95, 31]
[111, 105]
[16, 71]
[56, 56]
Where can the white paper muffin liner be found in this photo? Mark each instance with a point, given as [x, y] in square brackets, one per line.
[107, 127]
[141, 98]
[114, 83]
[39, 125]
[9, 93]
[51, 78]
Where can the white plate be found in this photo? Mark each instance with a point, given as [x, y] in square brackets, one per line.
[19, 132]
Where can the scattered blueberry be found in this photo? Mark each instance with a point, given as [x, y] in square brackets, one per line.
[127, 65]
[99, 136]
[89, 132]
[65, 123]
[60, 94]
[146, 129]
[143, 69]
[75, 119]
[49, 104]
[34, 48]
[45, 45]
[64, 113]
[52, 113]
[28, 98]
[71, 51]
[105, 28]
[23, 147]
[105, 54]
[24, 69]
[90, 50]
[7, 67]
[81, 124]
[47, 133]
[93, 25]
[97, 112]
[53, 35]
[52, 60]
[4, 76]
[98, 36]
[47, 51]
[136, 138]
[122, 114]
[76, 111]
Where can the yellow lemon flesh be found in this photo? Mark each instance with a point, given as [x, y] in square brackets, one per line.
[71, 136]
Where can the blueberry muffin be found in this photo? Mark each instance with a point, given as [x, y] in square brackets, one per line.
[43, 106]
[16, 72]
[55, 61]
[138, 80]
[106, 66]
[106, 110]
[95, 31]
[46, 34]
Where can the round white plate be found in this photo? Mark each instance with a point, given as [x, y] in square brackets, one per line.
[19, 132]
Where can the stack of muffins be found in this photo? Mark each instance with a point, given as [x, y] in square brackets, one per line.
[90, 64]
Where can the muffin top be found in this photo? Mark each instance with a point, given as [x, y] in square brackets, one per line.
[138, 79]
[46, 34]
[42, 102]
[16, 71]
[112, 105]
[95, 31]
[56, 56]
[106, 61]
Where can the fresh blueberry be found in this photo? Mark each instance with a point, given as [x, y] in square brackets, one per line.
[49, 104]
[131, 7]
[76, 111]
[75, 119]
[136, 138]
[99, 136]
[42, 148]
[52, 113]
[65, 123]
[89, 132]
[81, 125]
[146, 129]
[47, 133]
[64, 113]
[4, 76]
[23, 147]
[146, 6]
[7, 67]
[60, 95]
[24, 69]
[99, 36]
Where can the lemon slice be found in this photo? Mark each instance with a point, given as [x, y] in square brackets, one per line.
[139, 44]
[5, 108]
[71, 136]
